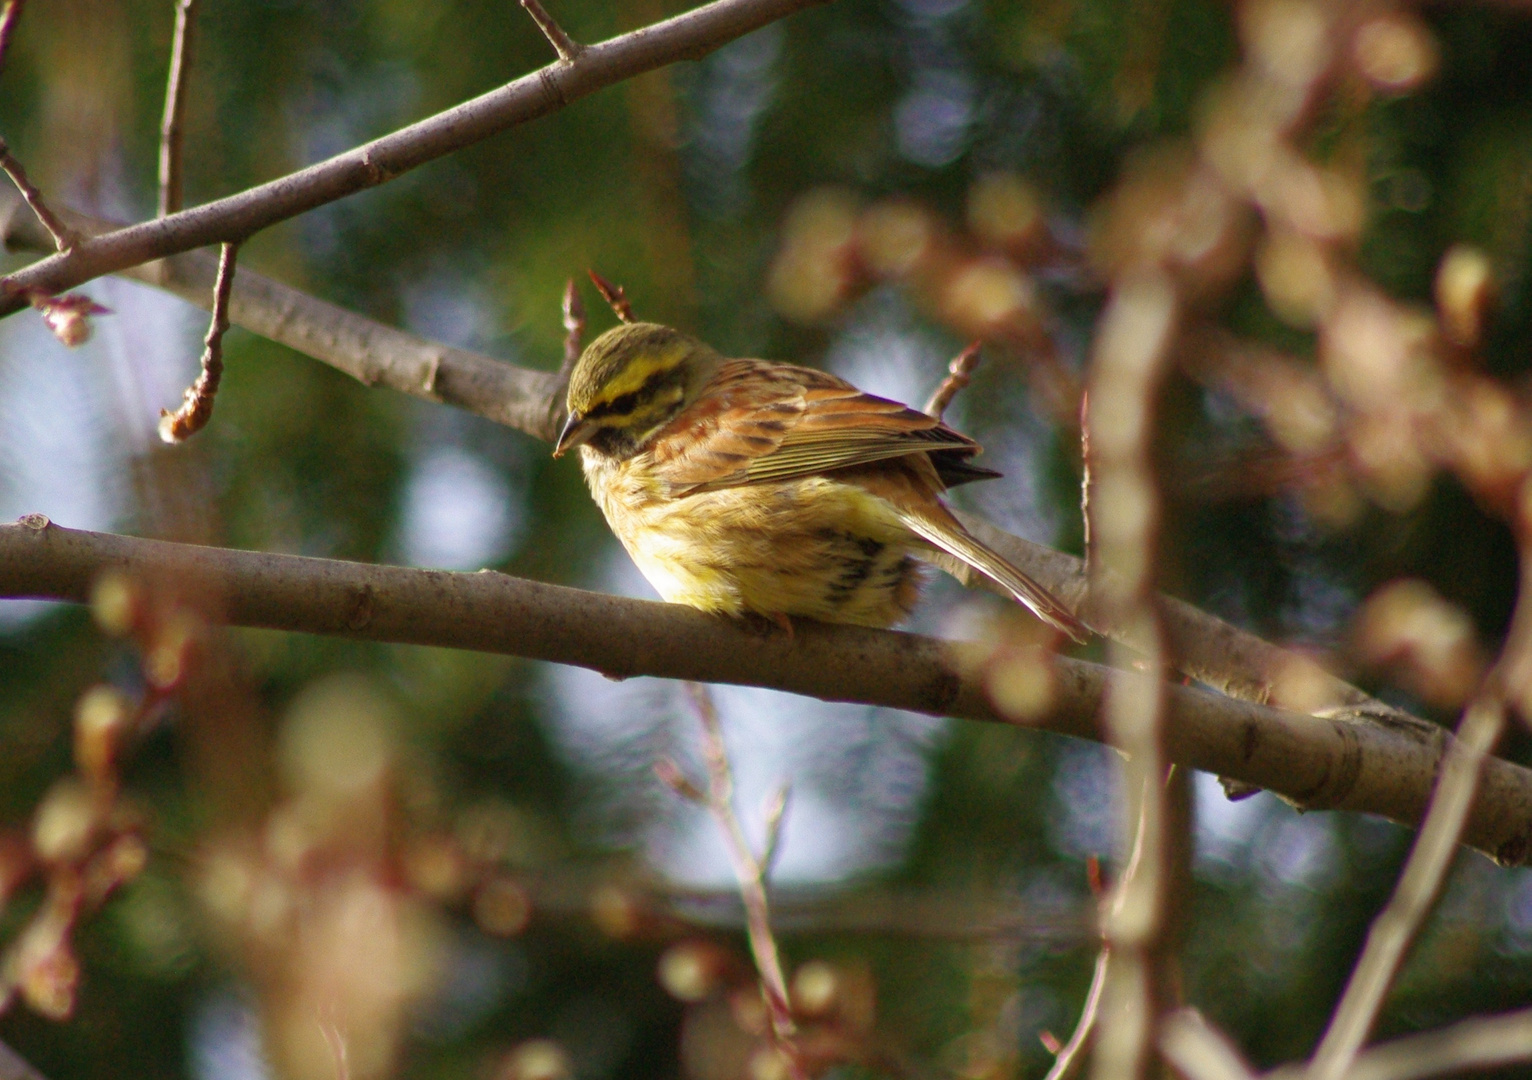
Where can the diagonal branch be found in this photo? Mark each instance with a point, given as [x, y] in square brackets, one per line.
[64, 238]
[171, 128]
[688, 36]
[1316, 762]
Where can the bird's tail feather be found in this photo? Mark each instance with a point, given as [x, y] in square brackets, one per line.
[958, 543]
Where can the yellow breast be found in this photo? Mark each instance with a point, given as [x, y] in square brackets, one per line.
[812, 546]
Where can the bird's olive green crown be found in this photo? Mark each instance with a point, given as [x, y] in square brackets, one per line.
[629, 383]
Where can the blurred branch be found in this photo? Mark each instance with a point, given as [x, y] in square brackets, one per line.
[1198, 1051]
[1394, 930]
[63, 237]
[689, 36]
[1482, 1042]
[1127, 365]
[10, 15]
[171, 131]
[12, 1065]
[1316, 762]
[197, 403]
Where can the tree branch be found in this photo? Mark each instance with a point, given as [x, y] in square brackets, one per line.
[689, 36]
[1316, 762]
[171, 132]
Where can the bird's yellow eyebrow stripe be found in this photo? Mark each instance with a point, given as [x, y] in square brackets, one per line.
[639, 370]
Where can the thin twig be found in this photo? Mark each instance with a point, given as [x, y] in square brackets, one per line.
[750, 873]
[688, 36]
[171, 124]
[197, 403]
[64, 237]
[1067, 1058]
[567, 47]
[614, 295]
[9, 16]
[959, 374]
[574, 330]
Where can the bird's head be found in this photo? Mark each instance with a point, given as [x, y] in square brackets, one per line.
[629, 383]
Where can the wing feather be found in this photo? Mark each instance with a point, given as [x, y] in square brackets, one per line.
[758, 422]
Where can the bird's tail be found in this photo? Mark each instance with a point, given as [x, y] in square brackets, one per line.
[961, 545]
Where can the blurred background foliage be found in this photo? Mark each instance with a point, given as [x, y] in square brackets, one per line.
[469, 853]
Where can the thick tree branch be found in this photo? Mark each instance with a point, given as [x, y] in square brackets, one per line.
[1317, 762]
[689, 36]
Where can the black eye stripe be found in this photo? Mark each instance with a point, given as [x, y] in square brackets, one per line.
[623, 404]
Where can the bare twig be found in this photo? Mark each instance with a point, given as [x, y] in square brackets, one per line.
[9, 16]
[197, 403]
[63, 237]
[1317, 762]
[750, 874]
[1067, 1059]
[1199, 1051]
[574, 329]
[959, 374]
[171, 130]
[614, 295]
[688, 36]
[567, 47]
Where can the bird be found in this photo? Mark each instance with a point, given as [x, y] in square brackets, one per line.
[757, 488]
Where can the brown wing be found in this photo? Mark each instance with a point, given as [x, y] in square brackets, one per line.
[757, 421]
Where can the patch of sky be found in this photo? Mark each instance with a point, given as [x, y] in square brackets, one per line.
[73, 420]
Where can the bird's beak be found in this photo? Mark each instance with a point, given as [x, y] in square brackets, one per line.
[575, 432]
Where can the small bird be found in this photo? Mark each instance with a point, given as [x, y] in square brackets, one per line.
[752, 487]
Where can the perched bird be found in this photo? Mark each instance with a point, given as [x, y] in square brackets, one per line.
[746, 486]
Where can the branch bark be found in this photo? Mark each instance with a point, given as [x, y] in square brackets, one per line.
[688, 36]
[1315, 762]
